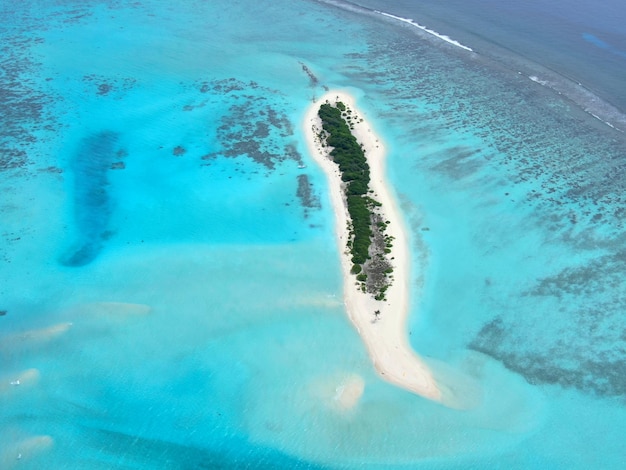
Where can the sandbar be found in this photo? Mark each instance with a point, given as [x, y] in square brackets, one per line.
[384, 335]
[31, 338]
[118, 308]
[19, 381]
[19, 453]
[340, 392]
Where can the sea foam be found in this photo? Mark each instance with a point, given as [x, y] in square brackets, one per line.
[445, 38]
[589, 102]
[361, 9]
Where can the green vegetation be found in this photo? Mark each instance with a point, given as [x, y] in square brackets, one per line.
[348, 154]
[367, 243]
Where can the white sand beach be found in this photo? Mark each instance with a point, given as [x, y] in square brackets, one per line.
[384, 335]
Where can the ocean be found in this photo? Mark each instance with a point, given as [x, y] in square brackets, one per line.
[170, 284]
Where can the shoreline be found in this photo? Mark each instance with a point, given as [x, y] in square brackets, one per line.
[385, 335]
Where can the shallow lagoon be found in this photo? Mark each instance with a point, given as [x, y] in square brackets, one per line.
[167, 142]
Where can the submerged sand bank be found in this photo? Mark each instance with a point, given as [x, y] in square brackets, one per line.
[385, 334]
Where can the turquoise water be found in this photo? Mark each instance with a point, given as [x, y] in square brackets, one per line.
[157, 194]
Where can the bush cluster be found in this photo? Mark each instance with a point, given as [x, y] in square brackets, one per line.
[348, 154]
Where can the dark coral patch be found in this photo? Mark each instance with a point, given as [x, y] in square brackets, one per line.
[179, 151]
[92, 201]
[104, 89]
[252, 127]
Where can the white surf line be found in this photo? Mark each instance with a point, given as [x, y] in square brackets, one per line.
[605, 122]
[448, 39]
[555, 87]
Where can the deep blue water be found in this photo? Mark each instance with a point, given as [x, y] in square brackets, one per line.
[157, 195]
[584, 41]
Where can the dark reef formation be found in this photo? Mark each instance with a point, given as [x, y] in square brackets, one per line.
[252, 127]
[92, 203]
[306, 195]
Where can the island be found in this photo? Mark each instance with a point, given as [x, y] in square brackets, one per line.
[371, 237]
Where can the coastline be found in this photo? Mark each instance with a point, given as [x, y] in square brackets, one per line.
[385, 335]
